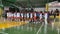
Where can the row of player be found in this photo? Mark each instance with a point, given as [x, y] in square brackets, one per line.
[26, 15]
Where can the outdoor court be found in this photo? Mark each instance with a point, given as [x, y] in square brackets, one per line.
[27, 28]
[29, 17]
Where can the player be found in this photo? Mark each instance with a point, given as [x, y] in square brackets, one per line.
[12, 16]
[41, 17]
[34, 16]
[15, 16]
[18, 16]
[21, 16]
[31, 16]
[27, 16]
[46, 17]
[8, 15]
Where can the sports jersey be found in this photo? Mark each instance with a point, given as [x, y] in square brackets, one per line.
[15, 15]
[18, 14]
[27, 15]
[46, 15]
[40, 15]
[12, 15]
[22, 15]
[31, 15]
[35, 14]
[8, 14]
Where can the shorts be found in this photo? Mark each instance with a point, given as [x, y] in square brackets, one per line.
[18, 17]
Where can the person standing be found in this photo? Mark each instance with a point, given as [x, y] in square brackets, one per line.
[18, 16]
[46, 17]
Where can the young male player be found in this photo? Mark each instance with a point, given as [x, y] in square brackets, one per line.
[27, 16]
[8, 15]
[34, 16]
[15, 16]
[22, 16]
[41, 15]
[31, 16]
[18, 16]
[12, 16]
[46, 17]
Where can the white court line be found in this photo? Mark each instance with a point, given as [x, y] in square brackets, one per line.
[58, 30]
[52, 26]
[39, 29]
[27, 28]
[31, 28]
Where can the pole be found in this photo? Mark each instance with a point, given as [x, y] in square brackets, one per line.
[46, 7]
[1, 5]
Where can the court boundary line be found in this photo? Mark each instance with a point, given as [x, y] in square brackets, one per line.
[39, 29]
[3, 32]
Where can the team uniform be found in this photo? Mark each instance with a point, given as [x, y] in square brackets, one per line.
[12, 16]
[18, 15]
[8, 15]
[40, 16]
[31, 16]
[15, 15]
[27, 15]
[46, 17]
[22, 16]
[34, 16]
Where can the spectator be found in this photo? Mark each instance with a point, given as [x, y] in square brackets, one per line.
[57, 12]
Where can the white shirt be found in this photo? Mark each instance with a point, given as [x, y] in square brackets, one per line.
[27, 15]
[35, 14]
[21, 14]
[31, 15]
[8, 14]
[18, 14]
[40, 15]
[15, 15]
[46, 16]
[12, 15]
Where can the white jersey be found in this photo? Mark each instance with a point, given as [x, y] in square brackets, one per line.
[21, 14]
[40, 15]
[31, 15]
[27, 15]
[12, 15]
[15, 15]
[35, 14]
[46, 15]
[18, 14]
[8, 14]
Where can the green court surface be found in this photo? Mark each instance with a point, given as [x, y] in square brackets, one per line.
[30, 28]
